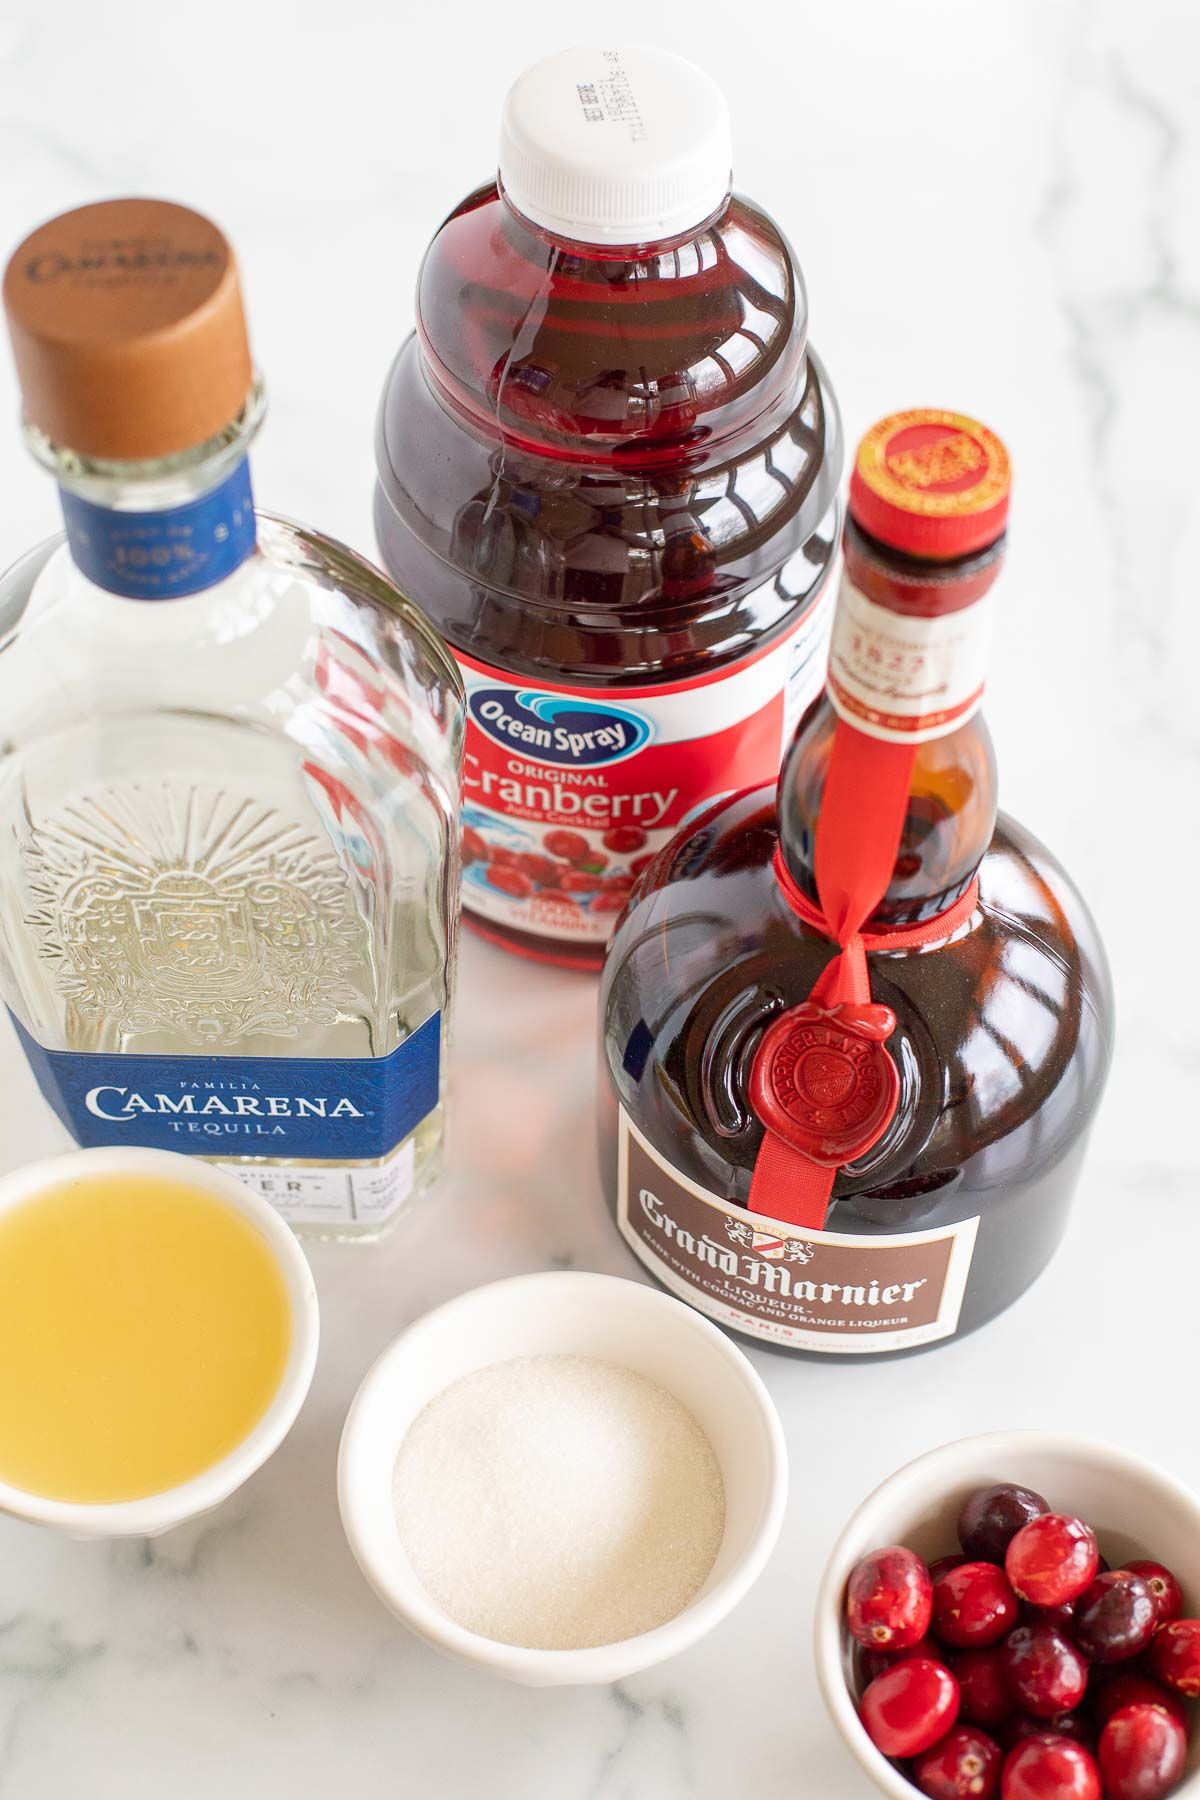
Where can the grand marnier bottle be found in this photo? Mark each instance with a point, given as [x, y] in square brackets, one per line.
[230, 763]
[855, 1033]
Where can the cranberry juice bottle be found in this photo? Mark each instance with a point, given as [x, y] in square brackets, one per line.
[855, 1032]
[608, 465]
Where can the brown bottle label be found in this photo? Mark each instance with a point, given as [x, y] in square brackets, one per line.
[814, 1290]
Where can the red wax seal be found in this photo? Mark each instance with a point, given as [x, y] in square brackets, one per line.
[823, 1082]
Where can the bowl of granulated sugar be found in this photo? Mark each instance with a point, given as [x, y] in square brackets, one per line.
[563, 1478]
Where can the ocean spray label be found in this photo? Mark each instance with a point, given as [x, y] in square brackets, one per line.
[313, 1110]
[569, 792]
[164, 555]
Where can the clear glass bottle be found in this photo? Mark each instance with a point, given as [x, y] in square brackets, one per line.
[229, 777]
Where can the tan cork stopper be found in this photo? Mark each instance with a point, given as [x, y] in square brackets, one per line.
[127, 329]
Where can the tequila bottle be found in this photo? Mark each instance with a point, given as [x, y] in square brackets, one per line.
[230, 768]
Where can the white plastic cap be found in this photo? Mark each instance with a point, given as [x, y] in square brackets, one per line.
[615, 146]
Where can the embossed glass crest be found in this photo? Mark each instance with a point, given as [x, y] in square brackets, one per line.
[201, 913]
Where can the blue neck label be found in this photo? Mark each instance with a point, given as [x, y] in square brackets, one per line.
[164, 555]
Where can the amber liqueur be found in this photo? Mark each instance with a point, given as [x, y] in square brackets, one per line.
[855, 1031]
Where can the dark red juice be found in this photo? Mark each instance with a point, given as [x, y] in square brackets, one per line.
[608, 472]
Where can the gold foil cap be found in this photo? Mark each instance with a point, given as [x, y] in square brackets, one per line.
[127, 329]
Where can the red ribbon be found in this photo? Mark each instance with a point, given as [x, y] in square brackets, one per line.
[858, 836]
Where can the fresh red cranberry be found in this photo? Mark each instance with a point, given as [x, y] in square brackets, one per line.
[1047, 1767]
[909, 1707]
[621, 839]
[1168, 1597]
[1135, 1690]
[1062, 1617]
[1114, 1617]
[1142, 1753]
[1052, 1559]
[992, 1517]
[1175, 1656]
[1046, 1674]
[1069, 1725]
[973, 1606]
[570, 845]
[985, 1699]
[474, 846]
[889, 1599]
[873, 1662]
[964, 1766]
[944, 1564]
[510, 881]
[578, 881]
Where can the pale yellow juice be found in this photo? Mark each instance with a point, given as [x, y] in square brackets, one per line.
[144, 1329]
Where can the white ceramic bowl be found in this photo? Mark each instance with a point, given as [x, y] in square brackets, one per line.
[1136, 1509]
[159, 1512]
[581, 1315]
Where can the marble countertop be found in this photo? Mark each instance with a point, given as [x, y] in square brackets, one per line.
[995, 210]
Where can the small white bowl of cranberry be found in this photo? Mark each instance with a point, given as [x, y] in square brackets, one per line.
[1009, 1618]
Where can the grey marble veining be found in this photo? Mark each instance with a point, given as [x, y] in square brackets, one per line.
[995, 208]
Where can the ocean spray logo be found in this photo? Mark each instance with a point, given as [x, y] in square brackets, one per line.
[557, 728]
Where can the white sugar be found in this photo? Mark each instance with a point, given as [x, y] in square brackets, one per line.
[558, 1502]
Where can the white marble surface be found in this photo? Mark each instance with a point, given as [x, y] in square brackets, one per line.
[996, 209]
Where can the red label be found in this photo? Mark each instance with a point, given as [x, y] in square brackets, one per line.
[569, 791]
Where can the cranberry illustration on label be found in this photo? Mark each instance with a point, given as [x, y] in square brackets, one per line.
[823, 1081]
[540, 869]
[624, 838]
[474, 846]
[570, 845]
[510, 880]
